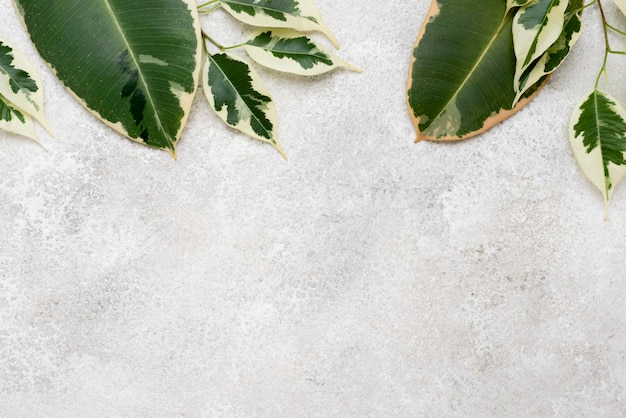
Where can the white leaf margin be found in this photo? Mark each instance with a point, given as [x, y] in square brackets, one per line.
[288, 65]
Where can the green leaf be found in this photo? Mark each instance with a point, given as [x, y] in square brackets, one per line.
[556, 54]
[20, 84]
[598, 138]
[239, 98]
[300, 15]
[536, 27]
[133, 63]
[292, 52]
[461, 77]
[15, 121]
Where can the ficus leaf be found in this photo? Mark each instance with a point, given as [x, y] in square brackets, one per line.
[292, 52]
[536, 27]
[239, 98]
[597, 134]
[135, 64]
[510, 4]
[300, 15]
[462, 72]
[556, 54]
[14, 120]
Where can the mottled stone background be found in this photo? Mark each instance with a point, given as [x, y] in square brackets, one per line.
[366, 277]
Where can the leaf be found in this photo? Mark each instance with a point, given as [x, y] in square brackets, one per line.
[461, 77]
[239, 98]
[510, 4]
[292, 52]
[301, 15]
[556, 54]
[20, 84]
[535, 28]
[597, 134]
[135, 64]
[15, 121]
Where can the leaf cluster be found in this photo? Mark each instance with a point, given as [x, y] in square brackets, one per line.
[137, 65]
[477, 62]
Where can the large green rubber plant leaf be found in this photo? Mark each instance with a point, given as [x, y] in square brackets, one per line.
[135, 64]
[462, 73]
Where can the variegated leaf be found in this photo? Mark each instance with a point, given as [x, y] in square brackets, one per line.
[535, 28]
[556, 54]
[20, 84]
[462, 71]
[621, 4]
[290, 51]
[510, 4]
[239, 98]
[598, 137]
[135, 64]
[301, 15]
[15, 121]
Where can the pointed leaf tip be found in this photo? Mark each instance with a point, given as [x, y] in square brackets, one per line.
[597, 134]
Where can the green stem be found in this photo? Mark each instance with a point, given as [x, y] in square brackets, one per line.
[607, 46]
[208, 3]
[217, 44]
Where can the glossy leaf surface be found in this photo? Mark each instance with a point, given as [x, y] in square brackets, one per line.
[133, 63]
[292, 52]
[20, 84]
[301, 15]
[598, 138]
[462, 72]
[239, 98]
[556, 54]
[536, 27]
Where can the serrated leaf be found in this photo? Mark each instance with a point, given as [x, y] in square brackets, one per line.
[461, 77]
[135, 64]
[597, 134]
[536, 27]
[556, 54]
[300, 15]
[15, 121]
[20, 84]
[237, 95]
[292, 52]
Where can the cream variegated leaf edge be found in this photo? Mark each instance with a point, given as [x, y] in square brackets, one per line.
[511, 4]
[552, 59]
[292, 52]
[300, 15]
[21, 96]
[597, 132]
[15, 121]
[536, 27]
[237, 95]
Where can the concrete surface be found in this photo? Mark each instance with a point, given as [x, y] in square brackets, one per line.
[366, 277]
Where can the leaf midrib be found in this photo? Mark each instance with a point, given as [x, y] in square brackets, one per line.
[139, 71]
[473, 70]
[270, 136]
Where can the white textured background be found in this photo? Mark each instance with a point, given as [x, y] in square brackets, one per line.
[366, 277]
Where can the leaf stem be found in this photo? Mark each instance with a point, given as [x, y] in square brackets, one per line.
[208, 3]
[607, 46]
